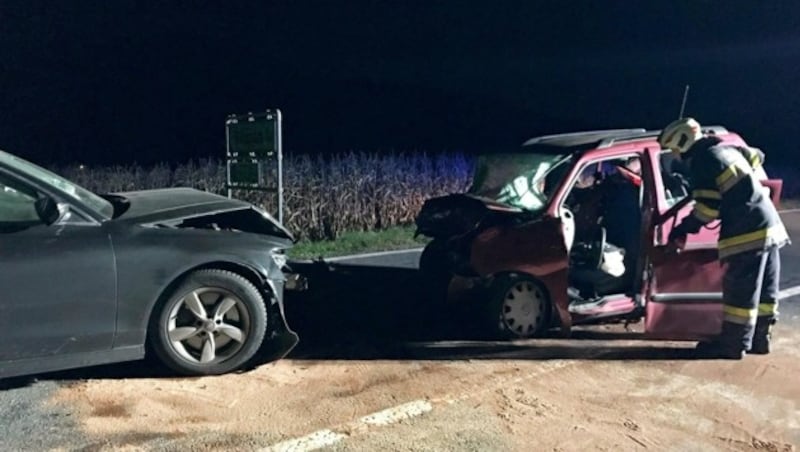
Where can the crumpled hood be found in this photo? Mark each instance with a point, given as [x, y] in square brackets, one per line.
[459, 213]
[168, 203]
[171, 205]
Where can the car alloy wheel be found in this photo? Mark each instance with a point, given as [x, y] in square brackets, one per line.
[208, 325]
[213, 323]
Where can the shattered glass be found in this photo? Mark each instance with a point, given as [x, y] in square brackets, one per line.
[526, 181]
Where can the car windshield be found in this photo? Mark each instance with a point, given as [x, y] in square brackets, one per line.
[80, 194]
[523, 180]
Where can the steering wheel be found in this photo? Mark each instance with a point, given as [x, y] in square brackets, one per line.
[601, 248]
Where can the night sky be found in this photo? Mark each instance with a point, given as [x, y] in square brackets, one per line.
[118, 81]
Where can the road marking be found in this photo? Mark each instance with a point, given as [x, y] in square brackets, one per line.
[397, 413]
[788, 293]
[314, 441]
[357, 256]
[328, 437]
[376, 254]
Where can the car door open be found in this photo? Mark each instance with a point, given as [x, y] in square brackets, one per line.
[683, 289]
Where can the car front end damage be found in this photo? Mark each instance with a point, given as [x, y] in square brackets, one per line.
[275, 273]
[250, 242]
[280, 339]
[475, 241]
[254, 221]
[454, 221]
[508, 189]
[496, 245]
[185, 208]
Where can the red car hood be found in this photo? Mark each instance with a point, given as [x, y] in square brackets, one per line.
[457, 214]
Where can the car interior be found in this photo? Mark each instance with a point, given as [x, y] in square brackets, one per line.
[604, 206]
[605, 202]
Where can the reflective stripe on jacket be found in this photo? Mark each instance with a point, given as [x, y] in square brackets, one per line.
[726, 187]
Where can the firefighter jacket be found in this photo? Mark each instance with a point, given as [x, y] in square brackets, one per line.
[725, 187]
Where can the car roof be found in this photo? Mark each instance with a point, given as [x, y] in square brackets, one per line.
[597, 139]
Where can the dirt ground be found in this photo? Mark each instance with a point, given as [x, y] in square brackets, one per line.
[511, 398]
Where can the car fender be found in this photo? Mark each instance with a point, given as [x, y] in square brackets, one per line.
[150, 263]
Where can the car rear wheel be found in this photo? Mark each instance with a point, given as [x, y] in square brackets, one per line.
[518, 307]
[213, 323]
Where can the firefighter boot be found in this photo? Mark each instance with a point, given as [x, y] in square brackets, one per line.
[762, 336]
[730, 344]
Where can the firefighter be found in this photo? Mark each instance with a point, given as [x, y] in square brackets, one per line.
[726, 186]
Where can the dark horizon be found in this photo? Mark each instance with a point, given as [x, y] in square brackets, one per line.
[106, 83]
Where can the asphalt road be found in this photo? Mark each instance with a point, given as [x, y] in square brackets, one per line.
[28, 421]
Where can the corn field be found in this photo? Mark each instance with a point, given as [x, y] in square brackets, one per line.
[323, 195]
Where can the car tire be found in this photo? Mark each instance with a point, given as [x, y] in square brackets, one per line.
[518, 307]
[434, 274]
[213, 323]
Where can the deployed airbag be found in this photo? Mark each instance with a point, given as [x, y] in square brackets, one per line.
[612, 260]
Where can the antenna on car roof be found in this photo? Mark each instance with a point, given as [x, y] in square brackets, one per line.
[683, 104]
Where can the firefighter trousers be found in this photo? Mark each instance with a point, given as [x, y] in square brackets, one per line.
[750, 294]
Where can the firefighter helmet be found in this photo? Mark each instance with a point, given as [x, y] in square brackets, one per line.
[680, 135]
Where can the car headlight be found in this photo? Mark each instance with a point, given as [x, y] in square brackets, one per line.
[279, 257]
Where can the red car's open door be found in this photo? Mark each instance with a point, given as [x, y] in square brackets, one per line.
[683, 290]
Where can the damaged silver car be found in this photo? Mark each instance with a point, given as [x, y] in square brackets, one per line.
[193, 277]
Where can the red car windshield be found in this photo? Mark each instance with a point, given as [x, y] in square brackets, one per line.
[523, 180]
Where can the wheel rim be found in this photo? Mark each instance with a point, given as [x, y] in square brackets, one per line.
[523, 308]
[208, 326]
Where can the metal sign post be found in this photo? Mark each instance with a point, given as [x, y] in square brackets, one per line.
[254, 154]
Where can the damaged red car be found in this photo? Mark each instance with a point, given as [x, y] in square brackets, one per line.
[572, 229]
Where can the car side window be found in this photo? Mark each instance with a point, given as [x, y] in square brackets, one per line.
[676, 178]
[17, 206]
[604, 188]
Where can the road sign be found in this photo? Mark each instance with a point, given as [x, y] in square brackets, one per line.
[244, 174]
[253, 137]
[254, 154]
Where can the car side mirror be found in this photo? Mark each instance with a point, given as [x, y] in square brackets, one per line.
[48, 210]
